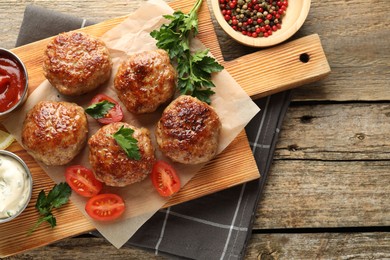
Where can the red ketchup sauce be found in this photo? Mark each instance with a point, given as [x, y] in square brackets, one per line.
[12, 82]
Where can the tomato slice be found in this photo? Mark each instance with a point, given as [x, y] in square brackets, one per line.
[105, 207]
[114, 115]
[82, 181]
[165, 179]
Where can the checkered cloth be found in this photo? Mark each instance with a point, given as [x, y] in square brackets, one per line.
[216, 226]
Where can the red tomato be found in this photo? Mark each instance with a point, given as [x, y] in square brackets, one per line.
[114, 115]
[105, 207]
[165, 179]
[82, 181]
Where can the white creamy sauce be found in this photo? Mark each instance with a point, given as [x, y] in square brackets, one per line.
[14, 186]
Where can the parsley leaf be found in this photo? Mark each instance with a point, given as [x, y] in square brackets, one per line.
[56, 197]
[194, 69]
[100, 109]
[124, 138]
[203, 62]
[59, 195]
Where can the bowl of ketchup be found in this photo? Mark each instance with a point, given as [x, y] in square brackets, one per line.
[13, 83]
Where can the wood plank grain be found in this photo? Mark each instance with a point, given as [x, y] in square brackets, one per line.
[85, 248]
[357, 131]
[371, 245]
[358, 51]
[319, 246]
[331, 168]
[267, 67]
[315, 193]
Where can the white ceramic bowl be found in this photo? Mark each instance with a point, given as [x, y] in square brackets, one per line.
[294, 18]
[28, 180]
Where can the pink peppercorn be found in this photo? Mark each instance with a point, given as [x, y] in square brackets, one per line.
[254, 18]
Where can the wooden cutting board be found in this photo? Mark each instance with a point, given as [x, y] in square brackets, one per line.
[276, 69]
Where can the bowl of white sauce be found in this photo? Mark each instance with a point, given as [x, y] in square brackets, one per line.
[15, 186]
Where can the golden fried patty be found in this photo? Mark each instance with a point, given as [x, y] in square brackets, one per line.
[55, 132]
[188, 131]
[145, 81]
[111, 164]
[76, 63]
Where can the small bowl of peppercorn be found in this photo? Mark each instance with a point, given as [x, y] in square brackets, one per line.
[261, 23]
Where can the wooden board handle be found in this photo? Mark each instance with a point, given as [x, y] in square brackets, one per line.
[279, 68]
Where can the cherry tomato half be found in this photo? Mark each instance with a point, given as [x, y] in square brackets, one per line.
[114, 115]
[165, 179]
[105, 207]
[82, 181]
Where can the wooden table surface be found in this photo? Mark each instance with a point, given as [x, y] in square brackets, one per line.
[327, 195]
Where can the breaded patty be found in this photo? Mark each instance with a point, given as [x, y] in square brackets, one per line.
[111, 164]
[76, 63]
[188, 131]
[55, 132]
[145, 81]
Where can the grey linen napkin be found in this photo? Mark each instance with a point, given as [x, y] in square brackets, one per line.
[216, 226]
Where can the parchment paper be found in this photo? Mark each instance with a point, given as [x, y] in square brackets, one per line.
[233, 105]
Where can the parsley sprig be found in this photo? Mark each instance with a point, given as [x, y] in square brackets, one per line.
[56, 197]
[100, 109]
[194, 69]
[124, 138]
